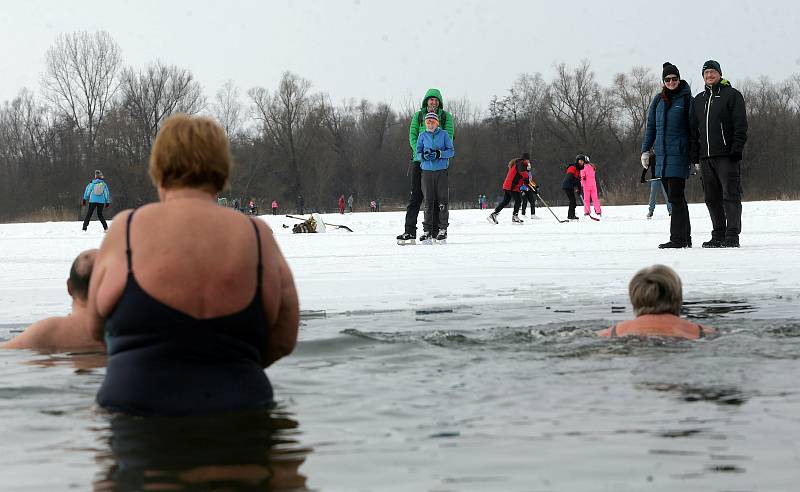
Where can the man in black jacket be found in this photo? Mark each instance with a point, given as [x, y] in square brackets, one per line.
[718, 138]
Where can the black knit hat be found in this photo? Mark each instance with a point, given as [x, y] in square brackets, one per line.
[712, 65]
[670, 69]
[526, 156]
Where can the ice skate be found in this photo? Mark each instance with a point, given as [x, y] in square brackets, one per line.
[516, 220]
[426, 238]
[406, 239]
[492, 218]
[441, 238]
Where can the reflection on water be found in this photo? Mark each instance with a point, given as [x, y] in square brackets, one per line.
[254, 451]
[689, 392]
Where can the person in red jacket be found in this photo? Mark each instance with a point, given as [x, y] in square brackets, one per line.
[341, 204]
[516, 181]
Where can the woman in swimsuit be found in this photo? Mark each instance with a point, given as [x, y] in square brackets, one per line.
[657, 296]
[192, 300]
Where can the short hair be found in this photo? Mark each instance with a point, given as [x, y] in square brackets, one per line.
[656, 290]
[191, 152]
[80, 272]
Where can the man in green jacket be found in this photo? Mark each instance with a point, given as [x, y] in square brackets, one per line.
[432, 103]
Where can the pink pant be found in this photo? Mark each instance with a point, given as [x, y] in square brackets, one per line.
[590, 196]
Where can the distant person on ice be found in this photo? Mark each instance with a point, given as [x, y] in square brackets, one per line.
[190, 330]
[62, 333]
[434, 151]
[589, 186]
[656, 187]
[529, 196]
[98, 196]
[572, 184]
[274, 207]
[657, 296]
[720, 132]
[431, 103]
[341, 204]
[668, 133]
[350, 203]
[516, 181]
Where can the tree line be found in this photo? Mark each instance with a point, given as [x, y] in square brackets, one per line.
[92, 112]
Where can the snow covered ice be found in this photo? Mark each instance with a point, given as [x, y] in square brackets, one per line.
[575, 265]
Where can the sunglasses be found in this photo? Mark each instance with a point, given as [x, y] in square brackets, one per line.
[671, 79]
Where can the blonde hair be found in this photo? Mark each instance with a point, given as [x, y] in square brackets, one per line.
[656, 290]
[191, 152]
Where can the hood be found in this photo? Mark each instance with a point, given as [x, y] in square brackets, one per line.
[722, 82]
[683, 89]
[432, 93]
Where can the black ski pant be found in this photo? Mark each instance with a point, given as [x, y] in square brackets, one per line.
[90, 211]
[415, 200]
[572, 203]
[680, 229]
[507, 196]
[274, 211]
[529, 197]
[436, 191]
[722, 188]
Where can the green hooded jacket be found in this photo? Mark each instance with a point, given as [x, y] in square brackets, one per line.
[415, 127]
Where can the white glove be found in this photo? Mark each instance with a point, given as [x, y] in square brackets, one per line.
[645, 159]
[696, 167]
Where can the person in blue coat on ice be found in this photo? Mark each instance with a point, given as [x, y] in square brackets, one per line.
[98, 197]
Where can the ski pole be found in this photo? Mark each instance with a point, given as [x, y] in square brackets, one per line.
[548, 208]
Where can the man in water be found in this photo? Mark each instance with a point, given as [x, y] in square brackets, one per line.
[62, 333]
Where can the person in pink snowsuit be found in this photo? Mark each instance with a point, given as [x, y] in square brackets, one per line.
[589, 186]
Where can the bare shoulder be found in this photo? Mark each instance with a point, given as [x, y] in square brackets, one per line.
[36, 335]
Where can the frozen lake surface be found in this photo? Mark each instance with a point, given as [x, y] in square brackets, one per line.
[466, 366]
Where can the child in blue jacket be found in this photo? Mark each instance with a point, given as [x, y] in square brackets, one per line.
[434, 150]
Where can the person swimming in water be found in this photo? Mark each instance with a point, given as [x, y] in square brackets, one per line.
[657, 296]
[62, 333]
[193, 300]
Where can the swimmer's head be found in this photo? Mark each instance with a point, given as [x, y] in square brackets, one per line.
[191, 152]
[80, 273]
[656, 290]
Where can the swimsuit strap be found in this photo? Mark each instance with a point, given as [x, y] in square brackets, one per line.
[128, 238]
[614, 330]
[258, 243]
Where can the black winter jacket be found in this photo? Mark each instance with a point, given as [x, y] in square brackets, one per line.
[719, 122]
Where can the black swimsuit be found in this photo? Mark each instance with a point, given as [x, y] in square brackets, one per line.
[162, 361]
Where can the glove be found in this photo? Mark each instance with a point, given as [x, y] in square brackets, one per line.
[107, 205]
[736, 156]
[435, 154]
[696, 167]
[645, 159]
[523, 188]
[83, 203]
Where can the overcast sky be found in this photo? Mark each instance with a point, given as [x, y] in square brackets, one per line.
[392, 50]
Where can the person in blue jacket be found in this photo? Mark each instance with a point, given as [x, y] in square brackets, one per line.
[97, 195]
[667, 134]
[434, 150]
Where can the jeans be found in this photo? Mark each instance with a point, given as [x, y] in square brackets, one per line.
[655, 187]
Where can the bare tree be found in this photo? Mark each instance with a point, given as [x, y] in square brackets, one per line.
[158, 91]
[80, 79]
[632, 94]
[578, 105]
[288, 123]
[531, 90]
[227, 108]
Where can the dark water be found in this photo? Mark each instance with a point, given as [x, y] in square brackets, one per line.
[445, 399]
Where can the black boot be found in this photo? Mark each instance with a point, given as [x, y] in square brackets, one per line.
[673, 245]
[713, 243]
